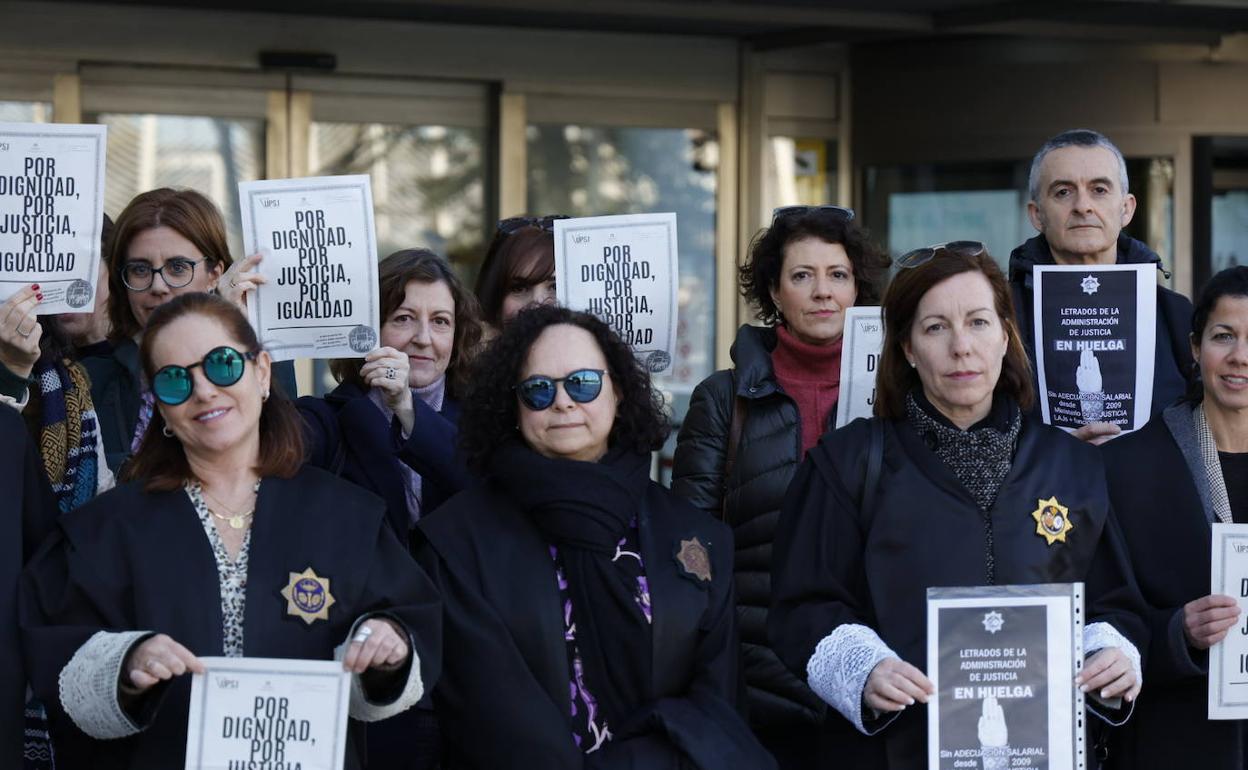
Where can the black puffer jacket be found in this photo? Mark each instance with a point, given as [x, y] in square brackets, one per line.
[768, 453]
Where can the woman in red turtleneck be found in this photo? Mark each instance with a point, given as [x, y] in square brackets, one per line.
[803, 272]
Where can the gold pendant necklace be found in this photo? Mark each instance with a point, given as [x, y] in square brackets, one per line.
[235, 520]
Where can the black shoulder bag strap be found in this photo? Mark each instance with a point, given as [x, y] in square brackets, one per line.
[875, 463]
[739, 409]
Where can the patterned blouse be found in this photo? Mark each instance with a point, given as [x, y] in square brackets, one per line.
[589, 728]
[231, 572]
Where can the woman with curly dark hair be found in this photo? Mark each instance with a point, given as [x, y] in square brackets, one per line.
[588, 612]
[749, 427]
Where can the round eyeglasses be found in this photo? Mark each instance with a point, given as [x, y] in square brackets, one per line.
[582, 386]
[176, 273]
[222, 366]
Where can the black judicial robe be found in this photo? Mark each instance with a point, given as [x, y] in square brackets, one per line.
[1169, 538]
[835, 563]
[130, 560]
[504, 693]
[29, 515]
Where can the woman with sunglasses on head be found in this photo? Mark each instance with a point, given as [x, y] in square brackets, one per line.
[946, 486]
[222, 542]
[749, 427]
[519, 268]
[1170, 481]
[588, 611]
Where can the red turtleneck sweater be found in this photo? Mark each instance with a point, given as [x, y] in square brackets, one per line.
[811, 375]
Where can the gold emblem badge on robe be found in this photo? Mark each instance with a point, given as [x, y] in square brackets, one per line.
[694, 559]
[1052, 520]
[307, 596]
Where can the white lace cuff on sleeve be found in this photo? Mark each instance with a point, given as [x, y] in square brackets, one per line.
[1098, 636]
[840, 665]
[88, 685]
[365, 710]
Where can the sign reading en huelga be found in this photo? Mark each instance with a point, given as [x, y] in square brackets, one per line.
[623, 269]
[1004, 660]
[1228, 659]
[320, 257]
[268, 714]
[1095, 331]
[860, 361]
[51, 212]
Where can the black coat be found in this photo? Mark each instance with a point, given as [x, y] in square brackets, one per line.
[136, 561]
[1166, 522]
[1172, 366]
[29, 516]
[504, 693]
[835, 563]
[769, 451]
[348, 435]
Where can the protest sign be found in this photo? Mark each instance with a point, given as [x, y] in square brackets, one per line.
[268, 714]
[1228, 659]
[624, 270]
[320, 257]
[860, 361]
[1003, 660]
[1095, 331]
[51, 212]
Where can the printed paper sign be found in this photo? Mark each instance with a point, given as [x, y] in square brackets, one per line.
[1004, 660]
[1095, 331]
[860, 361]
[320, 258]
[1228, 659]
[51, 212]
[624, 270]
[268, 713]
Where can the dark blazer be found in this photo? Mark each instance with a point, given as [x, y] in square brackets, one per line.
[835, 563]
[348, 435]
[30, 515]
[1166, 518]
[504, 692]
[132, 560]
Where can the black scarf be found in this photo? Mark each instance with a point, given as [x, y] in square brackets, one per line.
[584, 509]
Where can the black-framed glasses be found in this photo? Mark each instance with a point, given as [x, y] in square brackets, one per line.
[546, 224]
[176, 273]
[793, 211]
[582, 386]
[924, 255]
[222, 366]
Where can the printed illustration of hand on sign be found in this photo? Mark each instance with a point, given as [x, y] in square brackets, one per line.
[993, 736]
[1091, 388]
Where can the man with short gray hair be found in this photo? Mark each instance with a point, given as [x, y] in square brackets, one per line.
[1080, 202]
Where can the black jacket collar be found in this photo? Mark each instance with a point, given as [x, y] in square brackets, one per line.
[755, 376]
[1035, 251]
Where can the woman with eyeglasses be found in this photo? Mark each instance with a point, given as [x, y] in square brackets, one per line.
[946, 486]
[749, 427]
[519, 268]
[221, 542]
[588, 611]
[1169, 482]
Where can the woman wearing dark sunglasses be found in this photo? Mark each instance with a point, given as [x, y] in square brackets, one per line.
[519, 268]
[588, 611]
[220, 543]
[951, 484]
[749, 427]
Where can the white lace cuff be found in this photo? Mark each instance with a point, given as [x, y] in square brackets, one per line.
[365, 710]
[1099, 636]
[88, 685]
[838, 670]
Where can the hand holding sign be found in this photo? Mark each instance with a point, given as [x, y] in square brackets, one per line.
[895, 684]
[20, 331]
[1109, 671]
[241, 278]
[1207, 620]
[379, 644]
[157, 659]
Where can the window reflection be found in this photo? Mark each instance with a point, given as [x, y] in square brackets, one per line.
[25, 112]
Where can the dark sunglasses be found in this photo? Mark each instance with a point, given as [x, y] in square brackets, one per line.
[794, 211]
[514, 224]
[924, 255]
[223, 366]
[582, 386]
